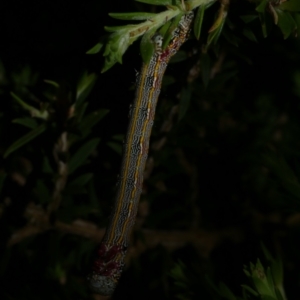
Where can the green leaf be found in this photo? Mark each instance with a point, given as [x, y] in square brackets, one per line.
[115, 48]
[80, 111]
[93, 198]
[121, 28]
[226, 292]
[163, 30]
[117, 147]
[84, 87]
[198, 21]
[133, 16]
[25, 139]
[178, 274]
[230, 37]
[263, 21]
[81, 180]
[177, 3]
[279, 294]
[250, 35]
[216, 29]
[124, 36]
[156, 2]
[267, 297]
[169, 33]
[286, 23]
[51, 82]
[118, 137]
[178, 57]
[27, 122]
[249, 289]
[282, 170]
[205, 65]
[147, 46]
[42, 192]
[248, 18]
[185, 99]
[82, 154]
[277, 272]
[212, 285]
[33, 111]
[46, 167]
[267, 253]
[262, 6]
[291, 5]
[95, 49]
[91, 120]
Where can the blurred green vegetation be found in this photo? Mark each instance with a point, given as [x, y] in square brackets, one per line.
[224, 161]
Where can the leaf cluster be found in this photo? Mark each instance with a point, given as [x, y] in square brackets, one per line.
[284, 13]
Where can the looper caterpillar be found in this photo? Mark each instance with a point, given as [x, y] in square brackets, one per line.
[108, 266]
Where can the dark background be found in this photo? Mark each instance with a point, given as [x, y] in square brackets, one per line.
[223, 177]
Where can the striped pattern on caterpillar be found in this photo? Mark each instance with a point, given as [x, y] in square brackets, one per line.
[111, 254]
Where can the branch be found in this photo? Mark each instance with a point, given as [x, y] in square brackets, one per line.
[60, 153]
[204, 241]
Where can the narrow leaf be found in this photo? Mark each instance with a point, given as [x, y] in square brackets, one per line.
[91, 120]
[80, 111]
[169, 33]
[248, 18]
[212, 285]
[95, 49]
[117, 147]
[115, 48]
[262, 6]
[82, 154]
[25, 139]
[216, 29]
[249, 289]
[198, 21]
[163, 30]
[226, 292]
[84, 87]
[42, 191]
[27, 122]
[250, 35]
[118, 137]
[279, 294]
[205, 65]
[185, 99]
[147, 46]
[230, 37]
[51, 82]
[286, 23]
[263, 21]
[33, 111]
[81, 180]
[178, 57]
[118, 28]
[291, 5]
[156, 2]
[134, 16]
[46, 167]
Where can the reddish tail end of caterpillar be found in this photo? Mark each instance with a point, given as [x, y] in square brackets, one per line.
[107, 269]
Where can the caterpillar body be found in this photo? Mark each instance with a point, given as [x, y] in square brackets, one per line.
[111, 254]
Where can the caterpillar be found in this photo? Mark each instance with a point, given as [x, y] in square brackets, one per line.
[109, 264]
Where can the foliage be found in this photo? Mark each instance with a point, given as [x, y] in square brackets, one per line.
[265, 283]
[284, 15]
[223, 169]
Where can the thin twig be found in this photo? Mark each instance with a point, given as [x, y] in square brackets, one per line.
[204, 241]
